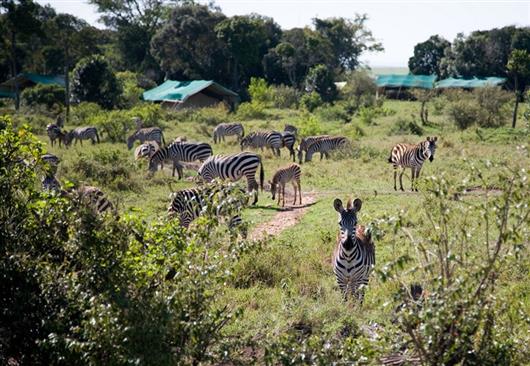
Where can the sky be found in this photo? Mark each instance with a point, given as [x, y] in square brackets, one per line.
[399, 25]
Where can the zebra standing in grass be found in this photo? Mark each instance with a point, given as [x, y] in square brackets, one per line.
[146, 134]
[290, 128]
[411, 156]
[234, 167]
[145, 150]
[270, 139]
[180, 151]
[290, 173]
[95, 198]
[228, 129]
[304, 144]
[80, 134]
[288, 140]
[188, 204]
[54, 133]
[324, 146]
[354, 256]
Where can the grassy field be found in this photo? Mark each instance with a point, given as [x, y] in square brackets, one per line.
[288, 281]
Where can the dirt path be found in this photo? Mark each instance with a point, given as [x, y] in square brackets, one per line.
[285, 218]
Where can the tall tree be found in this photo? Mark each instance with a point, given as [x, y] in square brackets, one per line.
[428, 55]
[20, 21]
[519, 67]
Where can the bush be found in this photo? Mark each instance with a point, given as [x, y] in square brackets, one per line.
[81, 113]
[463, 112]
[252, 110]
[358, 84]
[48, 95]
[132, 92]
[367, 115]
[308, 125]
[493, 106]
[319, 79]
[285, 97]
[211, 116]
[259, 91]
[336, 112]
[311, 101]
[404, 127]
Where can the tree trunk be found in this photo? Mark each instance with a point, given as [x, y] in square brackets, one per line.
[14, 70]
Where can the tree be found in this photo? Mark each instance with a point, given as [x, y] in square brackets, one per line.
[21, 23]
[428, 55]
[94, 81]
[320, 80]
[519, 68]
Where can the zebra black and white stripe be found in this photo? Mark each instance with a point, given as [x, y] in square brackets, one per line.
[233, 167]
[261, 139]
[288, 140]
[228, 129]
[146, 134]
[290, 128]
[50, 183]
[324, 146]
[145, 150]
[304, 144]
[180, 151]
[290, 173]
[354, 256]
[188, 204]
[411, 156]
[95, 198]
[82, 133]
[54, 133]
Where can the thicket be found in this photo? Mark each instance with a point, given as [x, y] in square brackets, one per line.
[52, 96]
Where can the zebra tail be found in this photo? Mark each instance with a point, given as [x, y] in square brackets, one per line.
[261, 174]
[390, 158]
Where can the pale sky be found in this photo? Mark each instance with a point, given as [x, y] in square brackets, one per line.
[399, 25]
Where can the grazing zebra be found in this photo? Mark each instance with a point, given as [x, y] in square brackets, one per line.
[228, 129]
[324, 146]
[188, 204]
[270, 139]
[234, 167]
[146, 134]
[95, 198]
[290, 173]
[54, 133]
[80, 134]
[50, 183]
[288, 140]
[354, 256]
[304, 144]
[145, 150]
[411, 156]
[177, 152]
[290, 128]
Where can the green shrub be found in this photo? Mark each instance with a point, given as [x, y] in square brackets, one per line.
[405, 127]
[336, 112]
[211, 116]
[319, 79]
[81, 113]
[358, 84]
[259, 91]
[285, 97]
[439, 104]
[252, 110]
[367, 115]
[463, 112]
[48, 95]
[132, 92]
[309, 125]
[311, 101]
[492, 102]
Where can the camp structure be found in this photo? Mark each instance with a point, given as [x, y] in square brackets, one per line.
[26, 80]
[191, 94]
[470, 83]
[393, 84]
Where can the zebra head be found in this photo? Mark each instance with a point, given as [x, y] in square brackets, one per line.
[68, 137]
[430, 147]
[245, 141]
[274, 186]
[130, 141]
[347, 220]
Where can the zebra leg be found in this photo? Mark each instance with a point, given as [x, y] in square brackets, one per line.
[395, 178]
[299, 191]
[401, 179]
[295, 193]
[283, 195]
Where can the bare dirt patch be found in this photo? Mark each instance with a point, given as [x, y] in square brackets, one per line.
[286, 217]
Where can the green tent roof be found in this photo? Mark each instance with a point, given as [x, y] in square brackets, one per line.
[26, 79]
[469, 83]
[405, 81]
[179, 91]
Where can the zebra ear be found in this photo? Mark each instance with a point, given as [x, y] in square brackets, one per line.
[338, 205]
[428, 138]
[435, 138]
[357, 204]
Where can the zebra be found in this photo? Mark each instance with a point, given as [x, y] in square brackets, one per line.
[80, 134]
[304, 144]
[228, 129]
[290, 173]
[177, 152]
[270, 139]
[288, 140]
[50, 183]
[411, 156]
[324, 146]
[95, 198]
[234, 167]
[290, 128]
[54, 133]
[51, 161]
[145, 150]
[188, 204]
[146, 134]
[354, 255]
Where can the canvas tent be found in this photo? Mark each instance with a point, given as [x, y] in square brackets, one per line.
[25, 80]
[405, 81]
[191, 94]
[469, 83]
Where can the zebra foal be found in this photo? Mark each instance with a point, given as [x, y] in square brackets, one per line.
[228, 129]
[290, 173]
[354, 256]
[234, 167]
[180, 151]
[304, 144]
[324, 146]
[80, 134]
[146, 134]
[411, 156]
[261, 139]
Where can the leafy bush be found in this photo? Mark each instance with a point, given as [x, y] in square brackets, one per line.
[211, 116]
[132, 92]
[319, 79]
[439, 104]
[259, 91]
[336, 112]
[405, 127]
[284, 96]
[463, 112]
[358, 84]
[252, 110]
[492, 102]
[48, 95]
[309, 125]
[367, 115]
[81, 113]
[311, 101]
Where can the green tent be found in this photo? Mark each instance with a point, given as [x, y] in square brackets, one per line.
[25, 80]
[469, 83]
[194, 93]
[405, 81]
